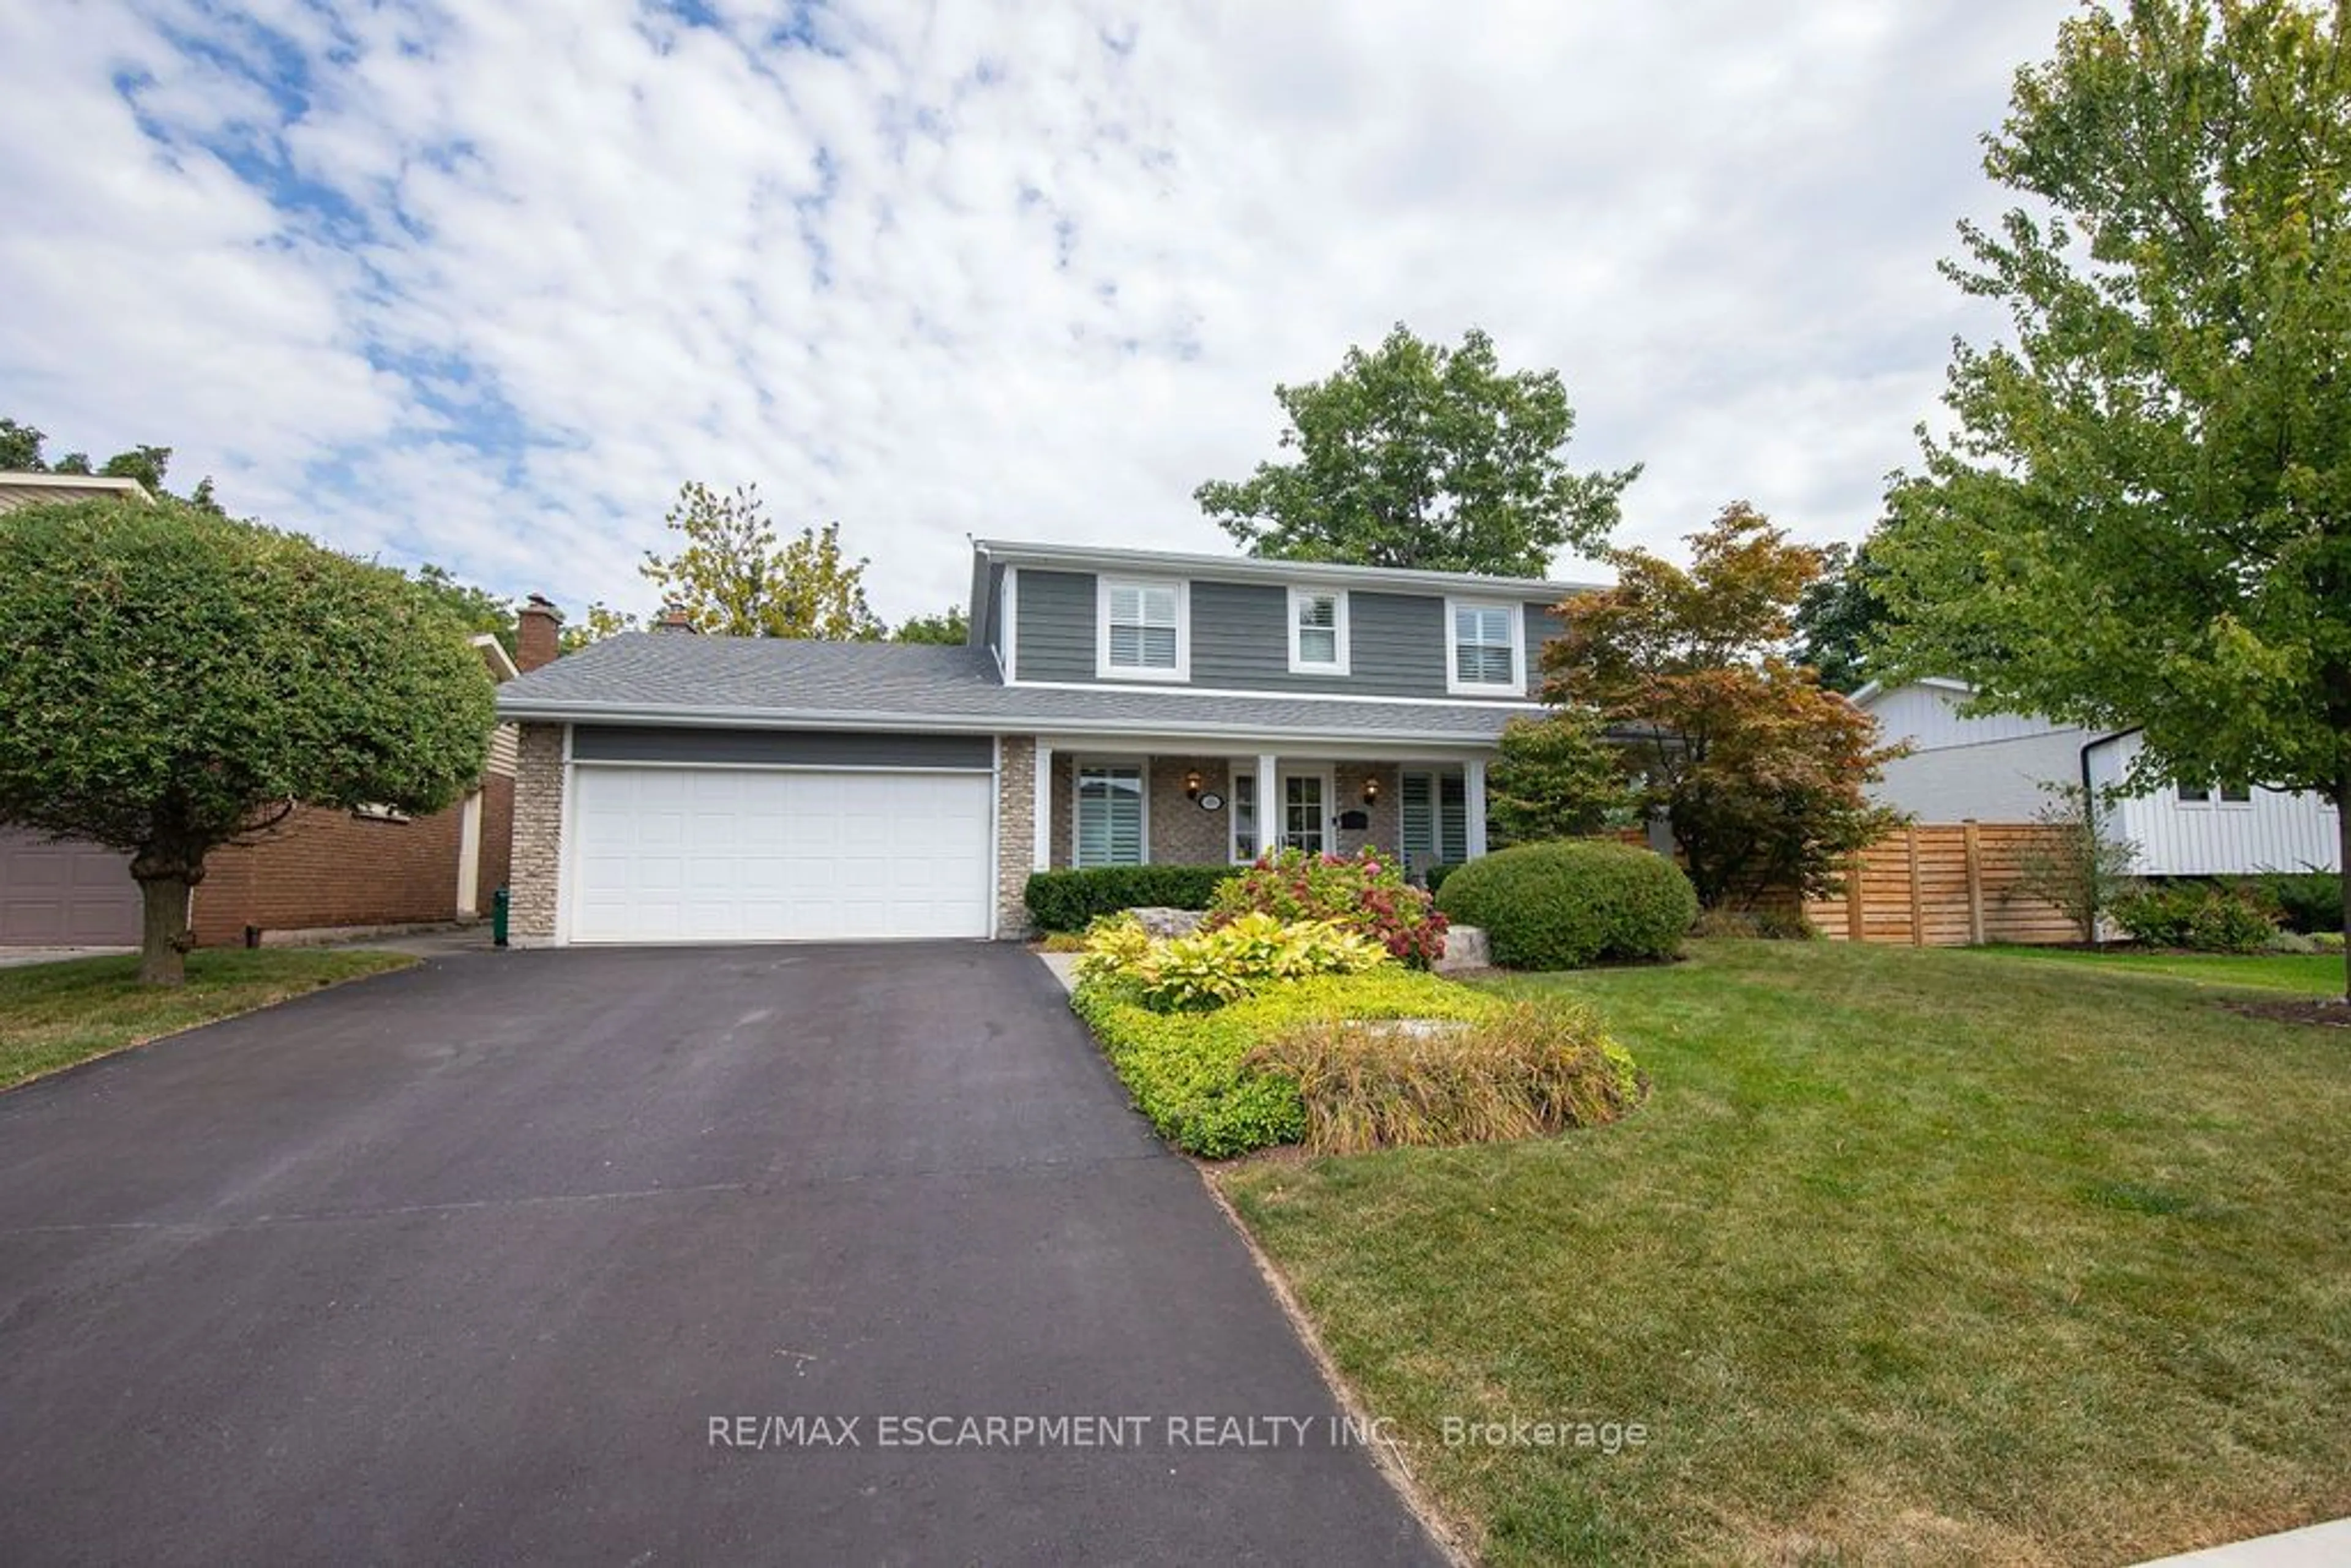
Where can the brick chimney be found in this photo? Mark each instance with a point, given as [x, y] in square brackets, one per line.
[674, 618]
[536, 626]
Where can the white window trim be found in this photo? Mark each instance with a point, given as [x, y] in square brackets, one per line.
[1078, 766]
[1298, 664]
[1515, 617]
[1103, 668]
[1233, 776]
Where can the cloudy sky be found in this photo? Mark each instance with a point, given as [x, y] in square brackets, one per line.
[483, 283]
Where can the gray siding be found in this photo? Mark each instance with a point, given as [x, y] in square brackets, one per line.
[1397, 643]
[1240, 639]
[805, 749]
[1056, 641]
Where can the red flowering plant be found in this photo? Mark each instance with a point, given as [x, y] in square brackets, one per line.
[1367, 894]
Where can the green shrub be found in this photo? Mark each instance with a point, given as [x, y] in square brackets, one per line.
[1071, 900]
[1434, 875]
[1527, 1071]
[1575, 901]
[2307, 901]
[1189, 1073]
[2198, 916]
[1221, 964]
[1367, 893]
[1768, 925]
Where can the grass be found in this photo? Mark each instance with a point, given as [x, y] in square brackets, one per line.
[2317, 974]
[1912, 1257]
[54, 1015]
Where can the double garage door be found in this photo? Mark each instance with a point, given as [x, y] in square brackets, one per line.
[704, 854]
[65, 894]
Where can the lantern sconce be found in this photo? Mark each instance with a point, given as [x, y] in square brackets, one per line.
[1192, 785]
[1371, 790]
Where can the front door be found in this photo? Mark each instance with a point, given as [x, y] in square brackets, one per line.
[1305, 799]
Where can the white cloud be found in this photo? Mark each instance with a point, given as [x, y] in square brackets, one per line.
[484, 284]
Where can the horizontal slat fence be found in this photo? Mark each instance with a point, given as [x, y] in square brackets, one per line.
[1946, 886]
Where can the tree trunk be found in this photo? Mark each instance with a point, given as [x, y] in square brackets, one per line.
[164, 938]
[2343, 868]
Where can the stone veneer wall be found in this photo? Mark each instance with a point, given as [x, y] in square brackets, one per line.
[1016, 832]
[1182, 834]
[537, 835]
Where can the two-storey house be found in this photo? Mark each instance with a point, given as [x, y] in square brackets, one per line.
[1113, 707]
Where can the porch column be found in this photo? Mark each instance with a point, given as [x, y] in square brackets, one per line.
[1270, 817]
[1473, 805]
[1040, 833]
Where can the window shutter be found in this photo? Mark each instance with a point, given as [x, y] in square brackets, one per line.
[1419, 835]
[1453, 818]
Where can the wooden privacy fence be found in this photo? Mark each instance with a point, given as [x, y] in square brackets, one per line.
[1944, 886]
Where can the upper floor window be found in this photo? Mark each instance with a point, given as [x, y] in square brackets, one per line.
[2201, 795]
[1488, 644]
[1318, 631]
[1144, 630]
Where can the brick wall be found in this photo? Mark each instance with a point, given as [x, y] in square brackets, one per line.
[497, 836]
[1385, 826]
[1182, 834]
[538, 834]
[1015, 843]
[322, 868]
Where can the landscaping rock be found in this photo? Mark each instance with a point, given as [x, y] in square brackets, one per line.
[1465, 948]
[1169, 922]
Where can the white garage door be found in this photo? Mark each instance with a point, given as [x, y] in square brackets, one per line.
[734, 854]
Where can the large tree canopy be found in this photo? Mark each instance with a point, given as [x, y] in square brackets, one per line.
[731, 576]
[172, 680]
[1419, 455]
[2145, 516]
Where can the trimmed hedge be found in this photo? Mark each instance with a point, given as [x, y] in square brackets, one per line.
[1563, 904]
[1073, 900]
[2198, 916]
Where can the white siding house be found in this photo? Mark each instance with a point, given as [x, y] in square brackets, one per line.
[1990, 768]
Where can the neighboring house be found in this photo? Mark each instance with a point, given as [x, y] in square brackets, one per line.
[318, 870]
[1990, 768]
[1113, 707]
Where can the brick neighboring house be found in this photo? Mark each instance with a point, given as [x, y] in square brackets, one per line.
[318, 870]
[1112, 706]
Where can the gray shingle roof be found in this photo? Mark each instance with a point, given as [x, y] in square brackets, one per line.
[720, 681]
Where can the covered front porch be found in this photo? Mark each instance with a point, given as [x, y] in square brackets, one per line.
[1104, 804]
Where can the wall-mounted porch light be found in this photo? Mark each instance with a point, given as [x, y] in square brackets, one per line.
[1192, 785]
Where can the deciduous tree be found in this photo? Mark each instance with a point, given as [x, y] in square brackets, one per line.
[1838, 616]
[1760, 771]
[1557, 777]
[731, 576]
[2143, 517]
[1419, 455]
[172, 680]
[949, 626]
[21, 452]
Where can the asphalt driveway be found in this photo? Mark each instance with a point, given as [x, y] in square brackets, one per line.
[583, 1255]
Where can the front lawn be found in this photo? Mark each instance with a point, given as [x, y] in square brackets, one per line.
[1925, 1257]
[54, 1015]
[2317, 974]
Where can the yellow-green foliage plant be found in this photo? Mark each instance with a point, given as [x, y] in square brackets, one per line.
[1210, 968]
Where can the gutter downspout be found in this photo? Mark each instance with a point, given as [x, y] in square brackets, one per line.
[2090, 801]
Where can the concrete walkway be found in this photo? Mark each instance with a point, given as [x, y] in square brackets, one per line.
[23, 957]
[2318, 1546]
